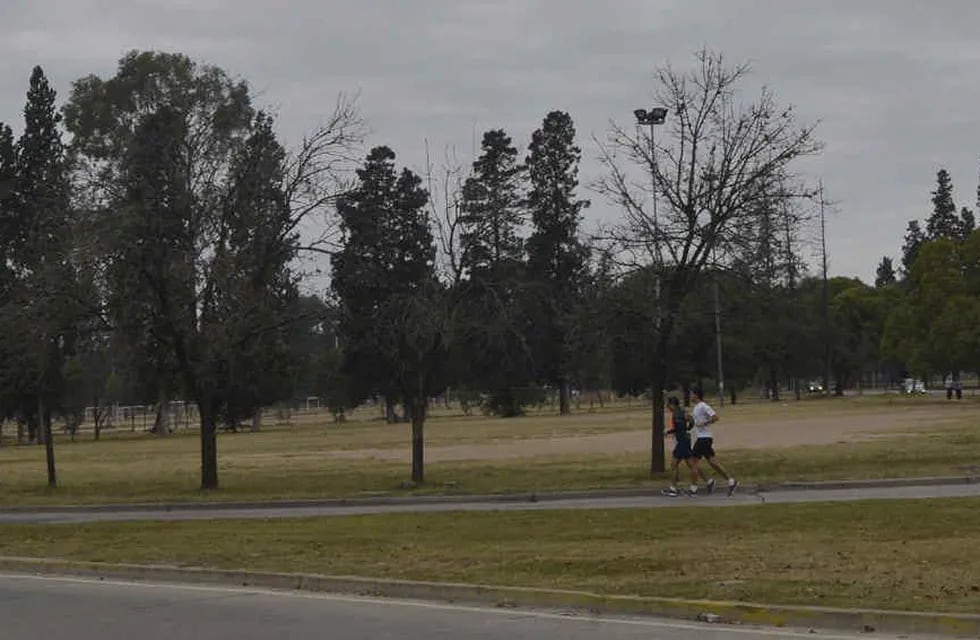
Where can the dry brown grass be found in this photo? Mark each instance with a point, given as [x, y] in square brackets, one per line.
[479, 454]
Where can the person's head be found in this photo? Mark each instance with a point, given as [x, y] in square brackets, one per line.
[697, 393]
[673, 402]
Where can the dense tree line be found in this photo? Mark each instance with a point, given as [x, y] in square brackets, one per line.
[152, 228]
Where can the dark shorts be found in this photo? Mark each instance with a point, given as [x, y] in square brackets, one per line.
[682, 450]
[703, 448]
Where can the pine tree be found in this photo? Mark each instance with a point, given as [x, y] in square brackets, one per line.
[492, 258]
[943, 223]
[885, 274]
[491, 208]
[966, 224]
[261, 245]
[40, 256]
[8, 212]
[914, 239]
[8, 169]
[556, 256]
[388, 253]
[392, 324]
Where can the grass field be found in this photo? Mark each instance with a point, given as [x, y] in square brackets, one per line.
[908, 555]
[308, 458]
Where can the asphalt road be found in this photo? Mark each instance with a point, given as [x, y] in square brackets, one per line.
[80, 609]
[718, 499]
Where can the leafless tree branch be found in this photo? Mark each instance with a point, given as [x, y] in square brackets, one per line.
[321, 169]
[718, 161]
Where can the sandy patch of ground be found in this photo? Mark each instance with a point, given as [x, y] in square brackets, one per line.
[733, 434]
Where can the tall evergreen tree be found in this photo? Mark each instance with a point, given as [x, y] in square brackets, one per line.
[491, 208]
[42, 312]
[556, 256]
[8, 209]
[260, 244]
[392, 326]
[498, 356]
[914, 239]
[885, 274]
[943, 223]
[966, 224]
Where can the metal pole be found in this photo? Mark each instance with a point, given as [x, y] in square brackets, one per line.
[721, 373]
[656, 230]
[654, 392]
[826, 297]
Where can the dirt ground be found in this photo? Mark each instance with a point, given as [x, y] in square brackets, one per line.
[729, 434]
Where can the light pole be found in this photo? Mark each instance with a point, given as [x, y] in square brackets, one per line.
[721, 372]
[653, 117]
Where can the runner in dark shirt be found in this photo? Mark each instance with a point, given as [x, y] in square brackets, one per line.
[679, 428]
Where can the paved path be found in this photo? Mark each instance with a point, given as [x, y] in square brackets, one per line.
[81, 609]
[718, 499]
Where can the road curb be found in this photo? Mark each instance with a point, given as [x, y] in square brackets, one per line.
[899, 622]
[334, 502]
[928, 481]
[531, 496]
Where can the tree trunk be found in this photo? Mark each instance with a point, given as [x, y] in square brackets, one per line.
[161, 425]
[45, 428]
[658, 462]
[773, 385]
[39, 432]
[564, 394]
[731, 391]
[418, 443]
[209, 447]
[257, 420]
[390, 416]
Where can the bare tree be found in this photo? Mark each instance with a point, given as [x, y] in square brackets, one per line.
[445, 187]
[717, 161]
[321, 169]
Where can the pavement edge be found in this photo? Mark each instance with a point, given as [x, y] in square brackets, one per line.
[862, 620]
[527, 496]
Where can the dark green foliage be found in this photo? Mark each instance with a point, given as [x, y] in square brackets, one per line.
[198, 234]
[885, 273]
[556, 257]
[387, 252]
[914, 238]
[394, 315]
[943, 222]
[491, 210]
[492, 320]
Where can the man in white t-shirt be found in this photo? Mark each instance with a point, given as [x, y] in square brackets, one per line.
[704, 416]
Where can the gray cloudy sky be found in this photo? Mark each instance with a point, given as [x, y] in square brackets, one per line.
[894, 84]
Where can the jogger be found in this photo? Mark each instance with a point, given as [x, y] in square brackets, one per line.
[680, 428]
[704, 417]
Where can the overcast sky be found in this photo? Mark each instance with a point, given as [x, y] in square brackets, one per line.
[895, 85]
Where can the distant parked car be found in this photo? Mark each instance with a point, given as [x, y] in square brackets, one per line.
[814, 387]
[912, 386]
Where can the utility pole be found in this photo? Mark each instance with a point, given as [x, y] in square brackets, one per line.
[826, 296]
